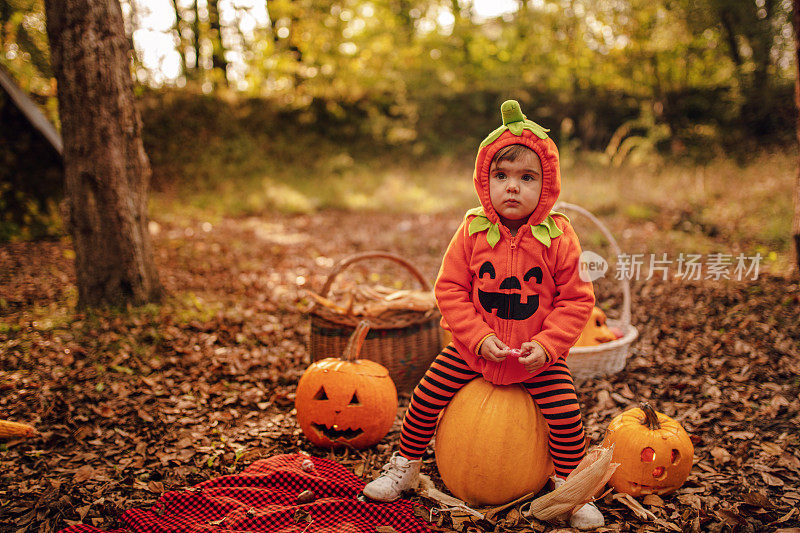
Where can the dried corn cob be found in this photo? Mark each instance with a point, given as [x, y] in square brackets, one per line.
[581, 486]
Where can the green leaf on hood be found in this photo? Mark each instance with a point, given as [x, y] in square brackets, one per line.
[537, 130]
[493, 136]
[516, 128]
[482, 223]
[516, 122]
[476, 212]
[541, 234]
[547, 230]
[479, 223]
[544, 232]
[493, 235]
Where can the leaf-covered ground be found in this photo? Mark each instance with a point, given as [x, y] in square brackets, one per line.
[133, 404]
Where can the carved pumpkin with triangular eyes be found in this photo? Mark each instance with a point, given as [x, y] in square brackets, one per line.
[596, 331]
[346, 403]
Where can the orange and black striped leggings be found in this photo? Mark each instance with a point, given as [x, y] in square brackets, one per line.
[552, 390]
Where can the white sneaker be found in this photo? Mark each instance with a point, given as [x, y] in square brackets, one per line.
[399, 474]
[586, 517]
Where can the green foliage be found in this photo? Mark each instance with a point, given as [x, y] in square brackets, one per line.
[350, 88]
[25, 53]
[28, 220]
[709, 70]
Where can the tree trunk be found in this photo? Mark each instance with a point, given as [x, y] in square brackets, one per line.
[106, 170]
[796, 218]
[196, 71]
[178, 28]
[218, 61]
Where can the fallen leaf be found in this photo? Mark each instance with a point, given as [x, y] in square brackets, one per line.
[772, 481]
[84, 473]
[720, 455]
[742, 435]
[654, 500]
[771, 448]
[778, 401]
[635, 506]
[730, 517]
[302, 515]
[786, 517]
[103, 410]
[83, 511]
[789, 460]
[757, 499]
[692, 500]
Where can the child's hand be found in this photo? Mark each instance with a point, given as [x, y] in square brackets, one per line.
[494, 349]
[536, 357]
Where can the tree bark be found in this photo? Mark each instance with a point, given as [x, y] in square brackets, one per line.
[796, 218]
[218, 61]
[106, 170]
[178, 27]
[196, 71]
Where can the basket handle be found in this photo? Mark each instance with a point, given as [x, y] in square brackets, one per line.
[349, 260]
[624, 283]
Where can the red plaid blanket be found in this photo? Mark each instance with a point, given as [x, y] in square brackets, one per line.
[264, 498]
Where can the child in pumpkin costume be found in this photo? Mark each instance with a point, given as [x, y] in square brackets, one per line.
[513, 242]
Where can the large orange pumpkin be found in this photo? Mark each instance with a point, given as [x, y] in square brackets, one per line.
[491, 444]
[654, 452]
[350, 402]
[595, 331]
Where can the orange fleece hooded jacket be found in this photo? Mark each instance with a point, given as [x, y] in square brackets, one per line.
[521, 288]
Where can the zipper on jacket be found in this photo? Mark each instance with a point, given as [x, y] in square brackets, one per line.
[511, 272]
[513, 242]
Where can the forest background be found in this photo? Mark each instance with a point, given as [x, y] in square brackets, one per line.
[298, 105]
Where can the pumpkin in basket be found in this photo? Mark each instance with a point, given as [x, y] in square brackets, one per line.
[346, 402]
[596, 331]
[654, 452]
[492, 444]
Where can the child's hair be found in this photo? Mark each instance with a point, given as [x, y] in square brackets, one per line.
[511, 153]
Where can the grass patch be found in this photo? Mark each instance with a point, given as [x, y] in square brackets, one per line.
[372, 184]
[660, 205]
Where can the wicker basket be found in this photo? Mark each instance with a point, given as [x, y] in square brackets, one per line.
[609, 357]
[405, 343]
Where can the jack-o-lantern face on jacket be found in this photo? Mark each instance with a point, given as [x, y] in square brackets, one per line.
[345, 403]
[509, 305]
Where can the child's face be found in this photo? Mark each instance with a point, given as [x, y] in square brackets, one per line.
[515, 187]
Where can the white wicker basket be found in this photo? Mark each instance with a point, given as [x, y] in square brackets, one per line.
[609, 357]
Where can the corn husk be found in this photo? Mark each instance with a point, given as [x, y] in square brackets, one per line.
[374, 301]
[588, 478]
[637, 508]
[427, 489]
[9, 430]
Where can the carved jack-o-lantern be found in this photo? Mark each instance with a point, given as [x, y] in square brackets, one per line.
[509, 305]
[596, 331]
[350, 402]
[653, 451]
